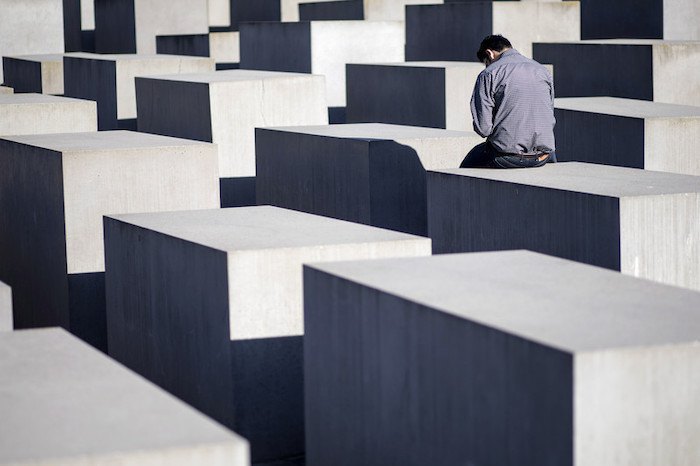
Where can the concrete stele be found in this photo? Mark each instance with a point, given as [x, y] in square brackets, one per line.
[109, 79]
[22, 114]
[321, 47]
[5, 308]
[662, 71]
[41, 74]
[64, 403]
[628, 132]
[52, 239]
[233, 279]
[366, 173]
[640, 222]
[225, 107]
[596, 367]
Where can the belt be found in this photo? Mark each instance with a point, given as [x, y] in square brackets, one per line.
[541, 157]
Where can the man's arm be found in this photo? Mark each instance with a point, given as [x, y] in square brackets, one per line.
[482, 105]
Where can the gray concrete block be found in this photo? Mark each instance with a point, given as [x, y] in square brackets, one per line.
[453, 31]
[6, 90]
[628, 133]
[87, 15]
[66, 404]
[640, 222]
[21, 22]
[208, 305]
[109, 80]
[219, 13]
[498, 359]
[370, 10]
[223, 47]
[640, 19]
[131, 26]
[321, 47]
[645, 69]
[373, 174]
[5, 308]
[225, 107]
[41, 74]
[54, 190]
[45, 114]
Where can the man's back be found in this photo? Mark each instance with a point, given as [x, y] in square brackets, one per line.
[513, 105]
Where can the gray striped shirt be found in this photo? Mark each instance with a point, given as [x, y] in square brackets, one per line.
[513, 105]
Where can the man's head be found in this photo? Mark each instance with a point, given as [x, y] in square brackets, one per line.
[491, 48]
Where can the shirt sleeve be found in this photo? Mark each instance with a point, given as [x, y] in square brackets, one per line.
[482, 105]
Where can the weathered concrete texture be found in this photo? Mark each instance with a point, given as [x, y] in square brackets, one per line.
[42, 74]
[5, 308]
[663, 71]
[225, 107]
[54, 190]
[223, 47]
[498, 359]
[6, 90]
[20, 23]
[45, 114]
[453, 31]
[66, 404]
[642, 223]
[640, 19]
[225, 285]
[373, 174]
[628, 133]
[219, 13]
[321, 47]
[131, 26]
[433, 94]
[109, 80]
[372, 10]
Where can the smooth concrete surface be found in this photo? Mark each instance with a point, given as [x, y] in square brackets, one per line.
[22, 114]
[5, 308]
[208, 304]
[245, 11]
[453, 31]
[31, 27]
[373, 174]
[219, 13]
[662, 71]
[629, 133]
[42, 74]
[66, 404]
[109, 80]
[642, 223]
[640, 19]
[6, 90]
[370, 10]
[500, 358]
[223, 47]
[54, 190]
[87, 15]
[131, 26]
[321, 47]
[225, 107]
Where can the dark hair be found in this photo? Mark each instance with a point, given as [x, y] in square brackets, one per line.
[497, 43]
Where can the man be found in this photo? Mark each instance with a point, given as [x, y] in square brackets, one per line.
[513, 108]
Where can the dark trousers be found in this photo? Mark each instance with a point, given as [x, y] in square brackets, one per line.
[486, 156]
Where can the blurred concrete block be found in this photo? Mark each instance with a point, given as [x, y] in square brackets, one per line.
[244, 11]
[31, 27]
[454, 31]
[223, 47]
[131, 26]
[662, 71]
[219, 13]
[66, 404]
[640, 19]
[5, 308]
[45, 114]
[371, 10]
[500, 358]
[109, 80]
[321, 47]
[87, 15]
[373, 174]
[42, 74]
[640, 222]
[54, 190]
[628, 133]
[289, 9]
[225, 107]
[6, 90]
[208, 305]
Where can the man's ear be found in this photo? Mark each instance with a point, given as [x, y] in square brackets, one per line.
[491, 54]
